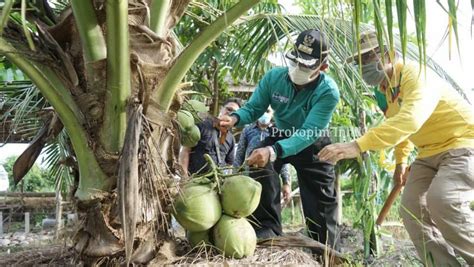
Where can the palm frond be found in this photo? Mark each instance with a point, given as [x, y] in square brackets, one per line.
[472, 18]
[389, 16]
[58, 160]
[7, 6]
[420, 17]
[268, 33]
[24, 24]
[20, 103]
[402, 9]
[453, 23]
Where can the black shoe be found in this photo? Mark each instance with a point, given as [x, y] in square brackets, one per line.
[265, 233]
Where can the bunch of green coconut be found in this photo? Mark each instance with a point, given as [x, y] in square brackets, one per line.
[213, 209]
[187, 118]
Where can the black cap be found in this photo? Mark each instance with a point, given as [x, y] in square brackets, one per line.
[311, 48]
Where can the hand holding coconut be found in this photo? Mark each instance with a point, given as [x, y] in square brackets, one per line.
[227, 121]
[259, 157]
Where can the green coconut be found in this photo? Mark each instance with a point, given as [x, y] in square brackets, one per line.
[191, 137]
[234, 237]
[195, 107]
[240, 195]
[197, 207]
[185, 119]
[198, 238]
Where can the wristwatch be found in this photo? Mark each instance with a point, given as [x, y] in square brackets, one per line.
[273, 155]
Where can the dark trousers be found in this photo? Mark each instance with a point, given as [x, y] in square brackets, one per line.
[268, 213]
[318, 196]
[316, 181]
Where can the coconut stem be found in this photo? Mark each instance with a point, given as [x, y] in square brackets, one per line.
[214, 171]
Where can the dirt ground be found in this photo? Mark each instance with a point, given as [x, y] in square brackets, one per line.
[397, 250]
[396, 247]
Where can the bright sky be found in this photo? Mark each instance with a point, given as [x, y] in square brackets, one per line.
[16, 150]
[461, 69]
[437, 20]
[11, 150]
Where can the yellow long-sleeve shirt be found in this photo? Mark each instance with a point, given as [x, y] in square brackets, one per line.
[424, 111]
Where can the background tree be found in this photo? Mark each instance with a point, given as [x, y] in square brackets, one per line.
[37, 179]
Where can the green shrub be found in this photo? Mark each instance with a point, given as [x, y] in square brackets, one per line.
[36, 180]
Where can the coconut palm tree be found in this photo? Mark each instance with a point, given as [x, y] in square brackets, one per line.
[110, 70]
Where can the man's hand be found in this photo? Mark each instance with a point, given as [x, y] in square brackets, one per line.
[227, 121]
[259, 157]
[286, 191]
[399, 176]
[335, 152]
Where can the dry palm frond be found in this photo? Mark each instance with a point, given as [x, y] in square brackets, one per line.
[154, 178]
[300, 240]
[263, 256]
[128, 179]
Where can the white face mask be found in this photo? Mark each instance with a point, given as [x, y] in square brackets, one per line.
[265, 119]
[371, 73]
[300, 75]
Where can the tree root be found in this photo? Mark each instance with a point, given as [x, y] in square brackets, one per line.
[96, 239]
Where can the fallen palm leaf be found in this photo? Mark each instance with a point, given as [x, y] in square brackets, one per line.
[299, 240]
[25, 161]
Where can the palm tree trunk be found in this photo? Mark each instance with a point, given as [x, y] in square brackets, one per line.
[132, 152]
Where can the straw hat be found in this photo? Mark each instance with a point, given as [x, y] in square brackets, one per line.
[368, 41]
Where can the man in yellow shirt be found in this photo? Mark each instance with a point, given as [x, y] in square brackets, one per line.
[427, 112]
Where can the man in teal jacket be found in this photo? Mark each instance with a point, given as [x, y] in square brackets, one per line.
[303, 99]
